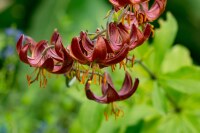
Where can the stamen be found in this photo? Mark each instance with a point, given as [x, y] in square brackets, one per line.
[111, 109]
[100, 79]
[78, 75]
[152, 31]
[104, 79]
[106, 116]
[95, 78]
[41, 75]
[122, 64]
[133, 60]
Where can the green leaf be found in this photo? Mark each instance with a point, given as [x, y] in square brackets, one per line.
[140, 112]
[177, 123]
[185, 80]
[90, 116]
[164, 38]
[159, 99]
[177, 57]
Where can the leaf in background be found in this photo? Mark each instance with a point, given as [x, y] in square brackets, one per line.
[90, 116]
[140, 112]
[159, 99]
[177, 57]
[176, 123]
[164, 38]
[45, 19]
[186, 80]
[135, 128]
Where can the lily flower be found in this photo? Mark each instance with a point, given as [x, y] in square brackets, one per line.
[52, 58]
[150, 13]
[122, 3]
[109, 93]
[87, 51]
[120, 34]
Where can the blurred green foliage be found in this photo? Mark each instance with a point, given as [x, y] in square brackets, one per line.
[169, 103]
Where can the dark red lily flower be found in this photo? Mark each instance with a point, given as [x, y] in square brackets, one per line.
[53, 58]
[87, 51]
[122, 3]
[153, 12]
[141, 36]
[109, 93]
[119, 35]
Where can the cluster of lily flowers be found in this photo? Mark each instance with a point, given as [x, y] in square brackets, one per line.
[89, 53]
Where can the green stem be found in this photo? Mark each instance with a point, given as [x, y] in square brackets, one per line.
[99, 34]
[170, 99]
[122, 14]
[152, 75]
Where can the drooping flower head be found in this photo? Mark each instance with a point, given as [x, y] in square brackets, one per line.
[110, 94]
[53, 58]
[100, 51]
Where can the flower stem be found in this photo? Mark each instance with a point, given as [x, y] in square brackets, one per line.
[122, 14]
[170, 99]
[99, 34]
[152, 75]
[47, 48]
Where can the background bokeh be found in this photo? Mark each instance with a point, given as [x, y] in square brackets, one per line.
[58, 108]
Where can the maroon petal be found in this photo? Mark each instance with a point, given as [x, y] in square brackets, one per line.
[105, 81]
[156, 9]
[39, 48]
[76, 52]
[86, 42]
[66, 64]
[100, 51]
[48, 64]
[133, 34]
[90, 95]
[137, 1]
[23, 53]
[129, 93]
[64, 68]
[141, 37]
[127, 84]
[112, 95]
[118, 57]
[123, 31]
[54, 37]
[19, 43]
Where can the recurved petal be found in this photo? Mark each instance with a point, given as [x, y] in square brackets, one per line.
[127, 84]
[118, 57]
[133, 33]
[111, 94]
[141, 37]
[86, 42]
[104, 83]
[48, 64]
[54, 37]
[76, 52]
[100, 51]
[19, 44]
[90, 95]
[66, 64]
[23, 53]
[156, 9]
[118, 3]
[64, 68]
[137, 1]
[126, 94]
[39, 48]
